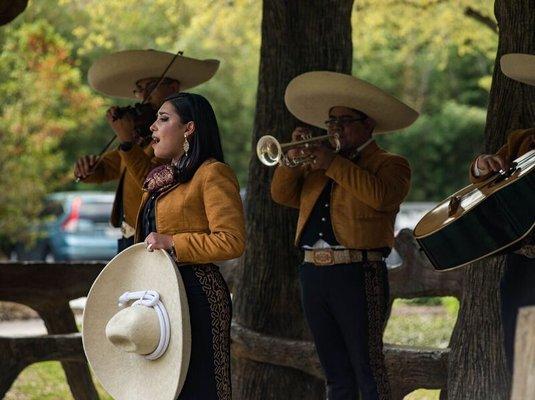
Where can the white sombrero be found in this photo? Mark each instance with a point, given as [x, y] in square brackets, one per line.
[138, 349]
[116, 74]
[311, 95]
[520, 67]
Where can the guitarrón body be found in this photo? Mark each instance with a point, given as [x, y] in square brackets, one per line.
[481, 219]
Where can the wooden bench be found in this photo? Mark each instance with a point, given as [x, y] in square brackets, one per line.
[48, 288]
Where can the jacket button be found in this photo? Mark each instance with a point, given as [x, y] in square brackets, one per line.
[323, 219]
[326, 204]
[321, 234]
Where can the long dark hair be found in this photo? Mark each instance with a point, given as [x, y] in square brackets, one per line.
[205, 142]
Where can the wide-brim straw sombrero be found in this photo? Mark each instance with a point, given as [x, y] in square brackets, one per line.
[127, 375]
[311, 95]
[116, 74]
[520, 67]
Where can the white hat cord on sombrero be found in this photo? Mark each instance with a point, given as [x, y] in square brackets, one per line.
[151, 298]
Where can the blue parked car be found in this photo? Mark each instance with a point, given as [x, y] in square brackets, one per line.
[75, 227]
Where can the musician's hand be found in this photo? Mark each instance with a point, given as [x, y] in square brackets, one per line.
[299, 133]
[157, 241]
[84, 166]
[123, 127]
[322, 158]
[487, 163]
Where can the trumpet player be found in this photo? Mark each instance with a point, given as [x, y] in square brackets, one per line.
[347, 205]
[150, 76]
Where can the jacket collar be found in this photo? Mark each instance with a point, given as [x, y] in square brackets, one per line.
[364, 151]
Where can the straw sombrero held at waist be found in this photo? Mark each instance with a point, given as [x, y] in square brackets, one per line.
[126, 344]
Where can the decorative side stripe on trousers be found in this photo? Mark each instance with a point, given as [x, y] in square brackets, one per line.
[375, 277]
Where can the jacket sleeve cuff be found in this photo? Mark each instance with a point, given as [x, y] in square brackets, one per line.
[180, 244]
[475, 174]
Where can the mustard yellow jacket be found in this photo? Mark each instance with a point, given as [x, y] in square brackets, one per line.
[134, 164]
[519, 142]
[204, 216]
[365, 197]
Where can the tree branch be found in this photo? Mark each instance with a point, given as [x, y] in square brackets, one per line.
[409, 367]
[484, 19]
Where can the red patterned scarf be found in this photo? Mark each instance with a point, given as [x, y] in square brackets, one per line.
[161, 178]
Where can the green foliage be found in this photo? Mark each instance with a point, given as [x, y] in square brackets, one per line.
[424, 301]
[440, 147]
[438, 60]
[451, 304]
[43, 99]
[226, 30]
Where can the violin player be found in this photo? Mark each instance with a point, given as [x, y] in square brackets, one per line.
[150, 76]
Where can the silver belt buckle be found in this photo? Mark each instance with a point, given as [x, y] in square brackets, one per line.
[323, 257]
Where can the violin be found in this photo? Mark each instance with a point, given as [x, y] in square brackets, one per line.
[143, 115]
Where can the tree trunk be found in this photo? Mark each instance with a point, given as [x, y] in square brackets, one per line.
[297, 36]
[477, 365]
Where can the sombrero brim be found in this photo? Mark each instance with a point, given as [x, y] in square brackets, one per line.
[311, 95]
[520, 67]
[116, 74]
[126, 375]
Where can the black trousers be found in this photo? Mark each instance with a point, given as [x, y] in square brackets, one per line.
[346, 306]
[210, 311]
[124, 243]
[517, 290]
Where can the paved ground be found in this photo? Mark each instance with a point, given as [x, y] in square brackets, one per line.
[30, 327]
[26, 327]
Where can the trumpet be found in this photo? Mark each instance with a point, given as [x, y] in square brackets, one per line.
[271, 152]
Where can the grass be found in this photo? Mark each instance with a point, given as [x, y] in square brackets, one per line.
[44, 381]
[421, 325]
[416, 323]
[410, 323]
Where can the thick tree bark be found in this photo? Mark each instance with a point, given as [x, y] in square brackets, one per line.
[297, 36]
[477, 365]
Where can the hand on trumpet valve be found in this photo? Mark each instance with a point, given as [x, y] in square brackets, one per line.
[84, 167]
[301, 152]
[321, 158]
[122, 125]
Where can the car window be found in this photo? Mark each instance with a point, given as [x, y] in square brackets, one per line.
[52, 209]
[96, 212]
